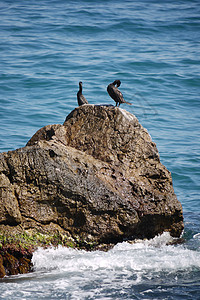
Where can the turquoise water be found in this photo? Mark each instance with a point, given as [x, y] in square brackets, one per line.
[153, 47]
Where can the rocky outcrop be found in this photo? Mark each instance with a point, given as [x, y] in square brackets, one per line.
[97, 179]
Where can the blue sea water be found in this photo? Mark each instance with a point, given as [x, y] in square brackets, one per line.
[153, 47]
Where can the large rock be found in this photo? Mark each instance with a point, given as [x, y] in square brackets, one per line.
[97, 179]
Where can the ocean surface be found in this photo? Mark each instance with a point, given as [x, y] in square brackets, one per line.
[153, 47]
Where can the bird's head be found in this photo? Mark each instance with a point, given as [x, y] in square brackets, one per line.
[117, 82]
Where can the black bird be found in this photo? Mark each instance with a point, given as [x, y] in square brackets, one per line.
[115, 94]
[81, 99]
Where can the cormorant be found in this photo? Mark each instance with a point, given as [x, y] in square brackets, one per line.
[115, 94]
[81, 99]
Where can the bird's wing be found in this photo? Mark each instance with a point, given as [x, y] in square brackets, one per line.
[113, 92]
[119, 95]
[83, 99]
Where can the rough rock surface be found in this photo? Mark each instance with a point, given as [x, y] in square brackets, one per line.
[97, 179]
[13, 262]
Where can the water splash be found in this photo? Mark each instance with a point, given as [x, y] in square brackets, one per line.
[119, 272]
[144, 256]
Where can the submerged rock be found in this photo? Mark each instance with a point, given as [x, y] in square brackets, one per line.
[97, 179]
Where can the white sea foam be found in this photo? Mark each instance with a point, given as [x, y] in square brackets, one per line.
[144, 256]
[197, 236]
[89, 274]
